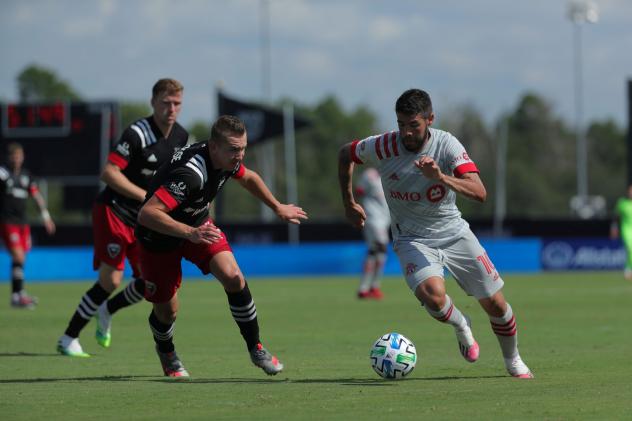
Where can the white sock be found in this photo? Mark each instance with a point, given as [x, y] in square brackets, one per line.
[449, 314]
[507, 333]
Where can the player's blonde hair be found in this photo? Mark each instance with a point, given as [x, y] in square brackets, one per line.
[168, 86]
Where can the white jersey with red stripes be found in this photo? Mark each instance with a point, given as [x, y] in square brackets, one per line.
[420, 207]
[371, 194]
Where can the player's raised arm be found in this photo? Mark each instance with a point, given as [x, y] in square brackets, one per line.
[354, 212]
[252, 182]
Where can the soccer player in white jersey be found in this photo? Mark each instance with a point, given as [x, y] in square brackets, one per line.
[378, 221]
[422, 170]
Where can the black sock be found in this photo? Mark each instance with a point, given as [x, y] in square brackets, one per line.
[243, 309]
[163, 333]
[132, 294]
[17, 277]
[88, 305]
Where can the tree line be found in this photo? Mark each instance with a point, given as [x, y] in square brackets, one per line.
[540, 164]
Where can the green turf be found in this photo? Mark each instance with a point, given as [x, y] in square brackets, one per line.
[575, 334]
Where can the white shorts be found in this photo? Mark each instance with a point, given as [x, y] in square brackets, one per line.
[465, 258]
[376, 233]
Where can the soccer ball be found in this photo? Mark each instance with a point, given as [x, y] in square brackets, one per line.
[393, 356]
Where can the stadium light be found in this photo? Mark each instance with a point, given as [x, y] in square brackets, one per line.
[579, 13]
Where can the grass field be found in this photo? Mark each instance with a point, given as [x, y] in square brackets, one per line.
[575, 334]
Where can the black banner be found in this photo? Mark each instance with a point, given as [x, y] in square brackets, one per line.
[261, 122]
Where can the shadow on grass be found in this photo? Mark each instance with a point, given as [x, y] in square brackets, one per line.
[28, 354]
[180, 381]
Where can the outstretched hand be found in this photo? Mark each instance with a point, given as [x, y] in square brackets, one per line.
[355, 214]
[291, 213]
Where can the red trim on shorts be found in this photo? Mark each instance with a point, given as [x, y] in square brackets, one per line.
[465, 168]
[117, 160]
[354, 154]
[166, 198]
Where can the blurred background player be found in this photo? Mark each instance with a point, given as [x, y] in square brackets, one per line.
[143, 147]
[422, 170]
[622, 227]
[174, 223]
[16, 185]
[376, 232]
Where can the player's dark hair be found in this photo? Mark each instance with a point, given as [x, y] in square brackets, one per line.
[227, 126]
[169, 86]
[413, 102]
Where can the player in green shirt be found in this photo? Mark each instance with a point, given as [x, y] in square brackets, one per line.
[622, 227]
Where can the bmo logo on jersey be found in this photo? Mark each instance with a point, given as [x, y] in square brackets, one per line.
[435, 193]
[405, 196]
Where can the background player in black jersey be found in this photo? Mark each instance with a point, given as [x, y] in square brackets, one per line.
[16, 185]
[144, 145]
[174, 223]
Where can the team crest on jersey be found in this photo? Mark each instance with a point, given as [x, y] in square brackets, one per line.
[113, 250]
[411, 268]
[150, 288]
[435, 193]
[177, 188]
[177, 155]
[123, 148]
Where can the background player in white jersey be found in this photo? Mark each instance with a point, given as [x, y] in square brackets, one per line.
[143, 147]
[16, 185]
[422, 170]
[375, 232]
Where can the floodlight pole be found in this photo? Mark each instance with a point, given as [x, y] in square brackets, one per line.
[580, 12]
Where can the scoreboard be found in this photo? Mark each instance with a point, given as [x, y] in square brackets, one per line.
[61, 139]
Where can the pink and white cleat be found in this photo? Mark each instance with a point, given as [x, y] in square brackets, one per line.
[467, 345]
[518, 369]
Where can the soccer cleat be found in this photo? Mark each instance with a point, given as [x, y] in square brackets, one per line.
[104, 324]
[464, 337]
[171, 364]
[23, 300]
[363, 295]
[264, 360]
[517, 368]
[376, 293]
[70, 347]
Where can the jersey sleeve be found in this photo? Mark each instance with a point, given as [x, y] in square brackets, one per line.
[126, 148]
[33, 187]
[459, 161]
[239, 172]
[178, 186]
[366, 151]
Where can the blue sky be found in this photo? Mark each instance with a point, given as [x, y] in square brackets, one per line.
[486, 53]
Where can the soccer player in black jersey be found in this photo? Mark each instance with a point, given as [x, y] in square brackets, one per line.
[174, 224]
[16, 185]
[143, 147]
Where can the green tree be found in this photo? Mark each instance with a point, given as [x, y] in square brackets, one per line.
[132, 111]
[37, 83]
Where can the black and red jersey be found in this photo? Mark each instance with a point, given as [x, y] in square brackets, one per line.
[15, 188]
[187, 185]
[140, 151]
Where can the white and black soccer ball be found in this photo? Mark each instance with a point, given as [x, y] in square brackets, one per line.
[393, 356]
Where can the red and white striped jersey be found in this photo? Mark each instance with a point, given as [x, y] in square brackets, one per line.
[420, 207]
